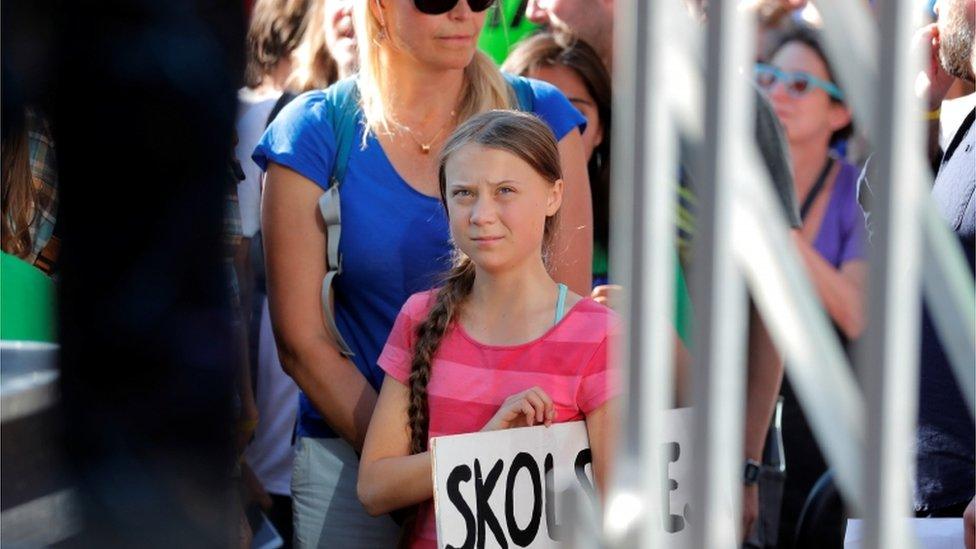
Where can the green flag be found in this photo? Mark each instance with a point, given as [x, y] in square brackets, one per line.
[504, 26]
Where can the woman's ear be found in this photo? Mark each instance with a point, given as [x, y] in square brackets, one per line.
[376, 7]
[598, 136]
[839, 117]
[555, 198]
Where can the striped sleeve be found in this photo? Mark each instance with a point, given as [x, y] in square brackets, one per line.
[398, 351]
[597, 384]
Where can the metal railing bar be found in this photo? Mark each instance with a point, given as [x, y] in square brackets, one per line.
[889, 349]
[717, 288]
[627, 507]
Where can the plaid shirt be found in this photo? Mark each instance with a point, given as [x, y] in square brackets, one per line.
[44, 176]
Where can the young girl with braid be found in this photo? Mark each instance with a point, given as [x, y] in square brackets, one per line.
[500, 344]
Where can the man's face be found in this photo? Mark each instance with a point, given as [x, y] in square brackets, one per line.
[587, 20]
[956, 23]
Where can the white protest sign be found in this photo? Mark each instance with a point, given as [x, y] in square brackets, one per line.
[503, 488]
[930, 533]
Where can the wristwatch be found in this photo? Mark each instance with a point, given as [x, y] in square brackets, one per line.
[750, 476]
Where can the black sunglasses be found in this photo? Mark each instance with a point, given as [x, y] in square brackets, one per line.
[437, 7]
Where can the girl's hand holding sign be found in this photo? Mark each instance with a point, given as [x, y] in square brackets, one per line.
[530, 407]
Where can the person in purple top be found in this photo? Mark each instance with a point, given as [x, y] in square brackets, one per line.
[831, 239]
[811, 108]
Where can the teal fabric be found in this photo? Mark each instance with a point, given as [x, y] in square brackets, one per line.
[560, 303]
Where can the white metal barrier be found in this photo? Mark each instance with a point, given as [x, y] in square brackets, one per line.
[660, 74]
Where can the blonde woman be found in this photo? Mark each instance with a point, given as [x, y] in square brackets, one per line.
[420, 76]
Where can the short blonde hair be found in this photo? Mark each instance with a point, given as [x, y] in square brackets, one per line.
[484, 86]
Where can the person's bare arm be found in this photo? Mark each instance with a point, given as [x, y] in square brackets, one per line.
[763, 378]
[294, 242]
[390, 477]
[572, 248]
[841, 291]
[682, 372]
[601, 425]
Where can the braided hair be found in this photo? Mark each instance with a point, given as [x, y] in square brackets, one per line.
[529, 139]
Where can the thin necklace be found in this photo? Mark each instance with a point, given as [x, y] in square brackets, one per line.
[425, 147]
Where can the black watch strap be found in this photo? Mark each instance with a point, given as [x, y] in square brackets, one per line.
[750, 475]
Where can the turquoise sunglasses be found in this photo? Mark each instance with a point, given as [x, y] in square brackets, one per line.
[797, 84]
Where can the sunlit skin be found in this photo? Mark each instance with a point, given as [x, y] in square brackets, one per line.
[810, 117]
[588, 20]
[569, 82]
[494, 202]
[340, 36]
[431, 42]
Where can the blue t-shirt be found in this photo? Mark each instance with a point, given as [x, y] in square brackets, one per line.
[395, 240]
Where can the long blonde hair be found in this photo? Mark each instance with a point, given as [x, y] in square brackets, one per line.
[484, 86]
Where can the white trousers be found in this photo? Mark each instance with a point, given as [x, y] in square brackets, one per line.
[327, 512]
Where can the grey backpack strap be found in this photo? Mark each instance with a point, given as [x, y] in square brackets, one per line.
[329, 208]
[343, 100]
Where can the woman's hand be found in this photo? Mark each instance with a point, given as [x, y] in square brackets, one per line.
[523, 409]
[608, 294]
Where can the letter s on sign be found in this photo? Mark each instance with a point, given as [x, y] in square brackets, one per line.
[461, 473]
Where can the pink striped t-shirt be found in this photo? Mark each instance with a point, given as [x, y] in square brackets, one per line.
[470, 380]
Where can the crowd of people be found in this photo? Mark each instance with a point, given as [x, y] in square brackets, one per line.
[405, 215]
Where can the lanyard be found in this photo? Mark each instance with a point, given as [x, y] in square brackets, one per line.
[817, 187]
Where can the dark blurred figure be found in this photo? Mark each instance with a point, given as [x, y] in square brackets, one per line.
[141, 102]
[946, 441]
[945, 475]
